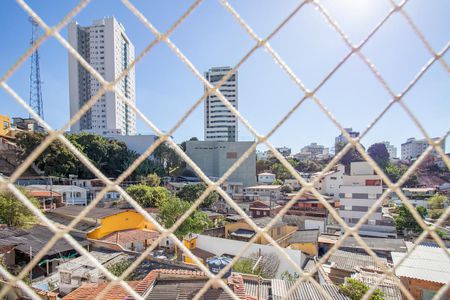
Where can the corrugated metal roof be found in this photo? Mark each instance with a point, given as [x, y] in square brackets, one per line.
[382, 244]
[305, 236]
[251, 288]
[39, 235]
[426, 263]
[348, 261]
[388, 286]
[305, 291]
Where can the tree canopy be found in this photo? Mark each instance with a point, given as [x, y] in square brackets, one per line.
[148, 196]
[379, 154]
[192, 192]
[14, 213]
[355, 290]
[151, 179]
[395, 172]
[405, 221]
[173, 208]
[266, 268]
[108, 155]
[436, 204]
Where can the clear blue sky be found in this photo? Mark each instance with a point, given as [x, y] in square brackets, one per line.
[211, 37]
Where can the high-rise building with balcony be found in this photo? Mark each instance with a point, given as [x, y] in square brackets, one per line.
[106, 47]
[220, 123]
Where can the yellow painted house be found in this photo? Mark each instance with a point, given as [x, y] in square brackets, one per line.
[5, 125]
[103, 221]
[305, 240]
[242, 231]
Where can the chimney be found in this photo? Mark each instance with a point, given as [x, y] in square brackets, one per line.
[117, 237]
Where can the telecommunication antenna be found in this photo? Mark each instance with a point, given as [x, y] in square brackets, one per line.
[35, 76]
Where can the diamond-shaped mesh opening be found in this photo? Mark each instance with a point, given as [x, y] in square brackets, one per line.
[310, 93]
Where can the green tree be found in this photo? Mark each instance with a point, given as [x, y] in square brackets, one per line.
[168, 159]
[262, 165]
[172, 209]
[404, 221]
[56, 160]
[277, 182]
[292, 277]
[192, 192]
[436, 205]
[280, 171]
[379, 154]
[14, 213]
[119, 267]
[310, 166]
[395, 172]
[112, 157]
[148, 196]
[151, 179]
[355, 290]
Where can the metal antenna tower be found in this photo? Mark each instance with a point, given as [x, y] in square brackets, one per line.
[35, 76]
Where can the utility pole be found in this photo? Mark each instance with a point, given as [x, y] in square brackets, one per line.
[35, 75]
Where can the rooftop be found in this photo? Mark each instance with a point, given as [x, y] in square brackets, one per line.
[43, 193]
[348, 261]
[38, 236]
[388, 286]
[203, 254]
[262, 222]
[163, 284]
[306, 290]
[93, 213]
[263, 187]
[125, 237]
[63, 221]
[380, 244]
[425, 263]
[305, 236]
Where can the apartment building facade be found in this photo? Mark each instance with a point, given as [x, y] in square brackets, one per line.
[413, 148]
[391, 149]
[340, 139]
[358, 193]
[220, 123]
[106, 47]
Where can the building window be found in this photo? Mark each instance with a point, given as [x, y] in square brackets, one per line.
[231, 155]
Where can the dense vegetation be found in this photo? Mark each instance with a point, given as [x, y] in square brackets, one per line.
[108, 155]
[14, 213]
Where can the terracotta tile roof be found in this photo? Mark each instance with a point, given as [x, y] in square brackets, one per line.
[164, 284]
[91, 290]
[131, 235]
[43, 193]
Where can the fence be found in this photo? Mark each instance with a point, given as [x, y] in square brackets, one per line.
[105, 86]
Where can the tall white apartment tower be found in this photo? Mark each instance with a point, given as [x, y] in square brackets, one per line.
[220, 124]
[106, 47]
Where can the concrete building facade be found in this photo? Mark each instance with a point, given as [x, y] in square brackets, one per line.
[391, 149]
[413, 148]
[358, 193]
[340, 139]
[106, 47]
[215, 158]
[220, 123]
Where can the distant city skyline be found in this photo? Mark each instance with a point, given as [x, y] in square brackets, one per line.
[165, 87]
